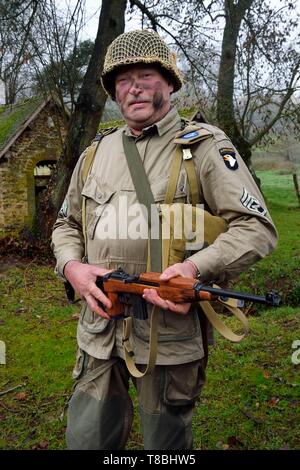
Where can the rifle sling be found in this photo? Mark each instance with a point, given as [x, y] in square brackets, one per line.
[220, 326]
[128, 351]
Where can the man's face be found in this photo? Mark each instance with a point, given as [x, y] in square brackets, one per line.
[143, 95]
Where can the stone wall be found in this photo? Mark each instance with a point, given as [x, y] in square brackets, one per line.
[40, 141]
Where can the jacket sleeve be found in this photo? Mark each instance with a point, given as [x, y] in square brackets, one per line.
[230, 192]
[67, 235]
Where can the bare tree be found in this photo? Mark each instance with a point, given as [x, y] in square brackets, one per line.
[49, 47]
[243, 55]
[40, 44]
[87, 113]
[17, 18]
[256, 94]
[55, 38]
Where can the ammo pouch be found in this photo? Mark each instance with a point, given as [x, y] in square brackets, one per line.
[187, 229]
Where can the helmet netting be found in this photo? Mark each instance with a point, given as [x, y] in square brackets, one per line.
[139, 46]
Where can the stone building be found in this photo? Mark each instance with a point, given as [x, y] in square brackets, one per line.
[31, 136]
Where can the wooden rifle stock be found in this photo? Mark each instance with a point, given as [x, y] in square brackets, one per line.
[178, 289]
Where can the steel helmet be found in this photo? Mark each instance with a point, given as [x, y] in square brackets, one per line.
[139, 47]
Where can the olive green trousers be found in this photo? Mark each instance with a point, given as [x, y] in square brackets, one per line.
[100, 411]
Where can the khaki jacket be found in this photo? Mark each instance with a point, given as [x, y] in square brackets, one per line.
[226, 192]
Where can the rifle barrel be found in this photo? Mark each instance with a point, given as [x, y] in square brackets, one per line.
[270, 298]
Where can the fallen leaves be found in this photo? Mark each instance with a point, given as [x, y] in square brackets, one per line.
[273, 402]
[21, 396]
[43, 445]
[233, 442]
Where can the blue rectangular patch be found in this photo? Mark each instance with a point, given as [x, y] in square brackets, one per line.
[190, 135]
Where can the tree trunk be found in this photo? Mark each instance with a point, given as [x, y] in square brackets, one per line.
[234, 14]
[85, 120]
[296, 185]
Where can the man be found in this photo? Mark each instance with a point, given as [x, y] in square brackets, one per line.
[140, 73]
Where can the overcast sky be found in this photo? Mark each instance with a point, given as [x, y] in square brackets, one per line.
[93, 8]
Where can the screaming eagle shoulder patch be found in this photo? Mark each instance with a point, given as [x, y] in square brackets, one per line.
[229, 158]
[252, 204]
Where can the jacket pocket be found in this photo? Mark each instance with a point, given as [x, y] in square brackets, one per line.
[91, 322]
[97, 197]
[159, 188]
[80, 364]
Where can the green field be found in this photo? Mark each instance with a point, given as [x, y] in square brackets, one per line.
[252, 396]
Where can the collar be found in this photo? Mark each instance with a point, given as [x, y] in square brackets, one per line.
[161, 127]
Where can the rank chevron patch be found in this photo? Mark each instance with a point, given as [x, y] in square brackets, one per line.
[251, 203]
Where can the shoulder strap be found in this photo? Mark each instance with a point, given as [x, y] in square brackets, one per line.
[144, 195]
[182, 155]
[88, 160]
[189, 135]
[91, 151]
[87, 165]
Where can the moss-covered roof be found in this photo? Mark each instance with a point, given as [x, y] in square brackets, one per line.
[13, 118]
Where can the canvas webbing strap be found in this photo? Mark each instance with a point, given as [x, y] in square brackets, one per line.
[169, 197]
[128, 351]
[144, 195]
[220, 326]
[174, 174]
[189, 165]
[89, 158]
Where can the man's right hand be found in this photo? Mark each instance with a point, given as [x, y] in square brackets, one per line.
[83, 279]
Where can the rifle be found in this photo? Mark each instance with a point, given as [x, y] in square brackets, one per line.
[122, 288]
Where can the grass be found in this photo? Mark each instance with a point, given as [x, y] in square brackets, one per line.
[281, 270]
[252, 393]
[251, 398]
[39, 332]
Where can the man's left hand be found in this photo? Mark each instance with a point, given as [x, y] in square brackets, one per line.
[185, 269]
